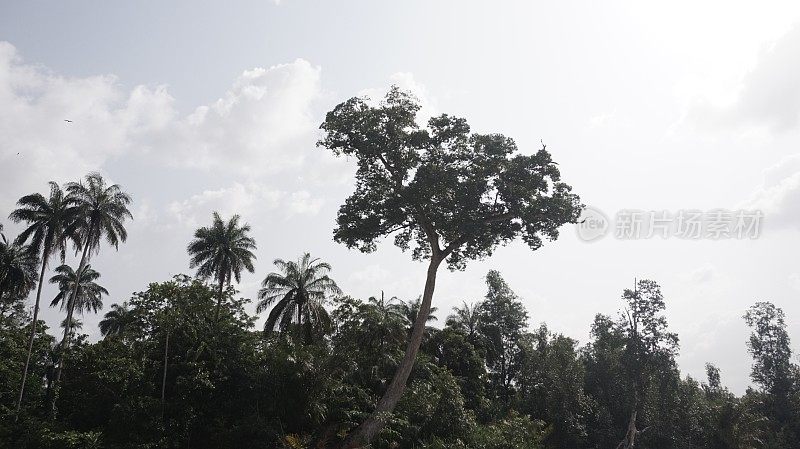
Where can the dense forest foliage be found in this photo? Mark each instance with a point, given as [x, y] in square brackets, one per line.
[182, 363]
[168, 373]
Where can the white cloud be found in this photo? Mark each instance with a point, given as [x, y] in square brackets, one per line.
[778, 198]
[249, 200]
[768, 95]
[263, 124]
[601, 119]
[37, 144]
[302, 203]
[239, 198]
[610, 121]
[794, 281]
[372, 274]
[703, 274]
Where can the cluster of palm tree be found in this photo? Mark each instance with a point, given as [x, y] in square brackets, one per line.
[297, 293]
[82, 214]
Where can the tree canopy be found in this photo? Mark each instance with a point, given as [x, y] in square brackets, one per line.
[444, 191]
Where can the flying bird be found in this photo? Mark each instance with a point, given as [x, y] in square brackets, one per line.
[68, 121]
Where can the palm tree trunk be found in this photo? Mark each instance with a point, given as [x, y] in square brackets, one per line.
[164, 376]
[365, 433]
[299, 319]
[65, 338]
[307, 327]
[219, 298]
[33, 334]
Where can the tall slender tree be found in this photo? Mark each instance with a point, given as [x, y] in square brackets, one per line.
[451, 194]
[772, 369]
[502, 324]
[102, 211]
[649, 347]
[221, 252]
[298, 291]
[52, 224]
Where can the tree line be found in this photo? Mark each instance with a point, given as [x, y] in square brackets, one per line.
[181, 363]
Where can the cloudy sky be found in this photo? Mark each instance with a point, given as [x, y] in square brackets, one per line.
[195, 107]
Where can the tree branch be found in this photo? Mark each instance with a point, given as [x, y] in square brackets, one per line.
[454, 244]
[395, 229]
[424, 222]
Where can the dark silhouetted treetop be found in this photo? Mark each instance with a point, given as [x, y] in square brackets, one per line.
[644, 320]
[770, 346]
[221, 251]
[447, 192]
[103, 209]
[297, 293]
[17, 269]
[89, 296]
[52, 222]
[118, 320]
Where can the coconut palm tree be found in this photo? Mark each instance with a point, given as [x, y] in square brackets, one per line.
[466, 319]
[392, 323]
[17, 269]
[391, 309]
[118, 320]
[410, 311]
[75, 325]
[52, 223]
[102, 211]
[89, 295]
[298, 293]
[221, 251]
[411, 308]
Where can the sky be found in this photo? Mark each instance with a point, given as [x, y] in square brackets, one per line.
[196, 106]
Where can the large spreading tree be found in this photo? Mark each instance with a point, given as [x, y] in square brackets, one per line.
[773, 370]
[447, 194]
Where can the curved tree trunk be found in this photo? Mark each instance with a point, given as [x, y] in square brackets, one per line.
[30, 340]
[366, 432]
